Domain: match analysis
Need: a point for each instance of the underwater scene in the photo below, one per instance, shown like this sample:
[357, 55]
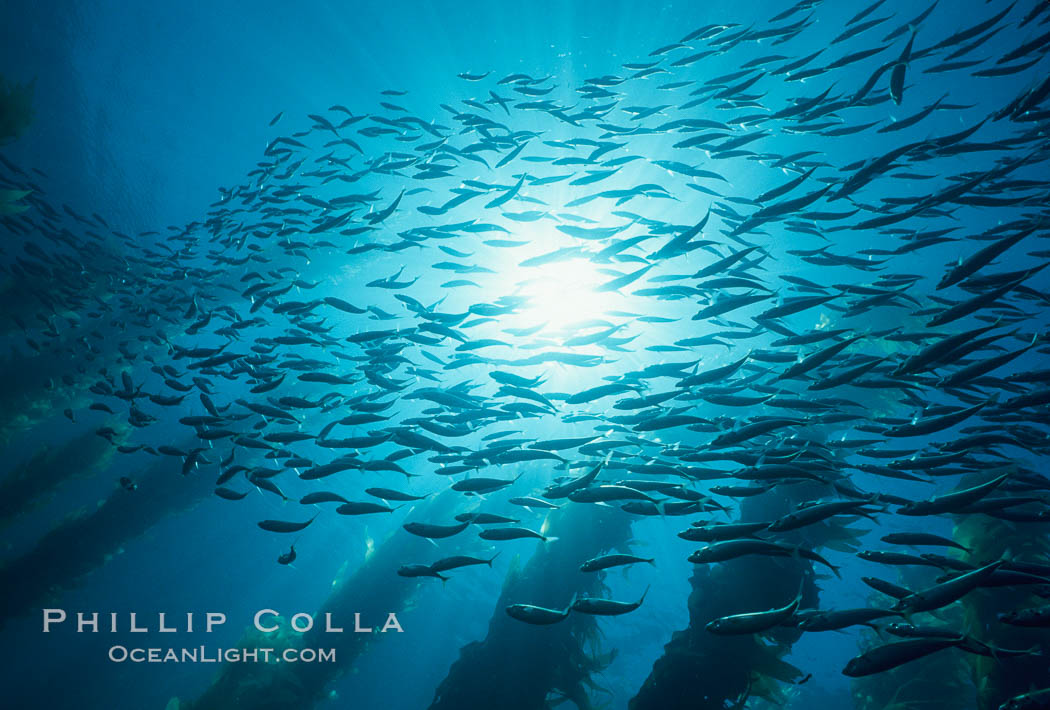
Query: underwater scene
[513, 356]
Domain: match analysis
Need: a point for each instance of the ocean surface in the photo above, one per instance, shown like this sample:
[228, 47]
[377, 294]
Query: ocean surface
[291, 292]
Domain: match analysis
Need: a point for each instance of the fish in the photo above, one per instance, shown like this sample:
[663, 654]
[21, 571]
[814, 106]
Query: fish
[719, 532]
[951, 502]
[418, 570]
[753, 622]
[919, 539]
[511, 533]
[606, 607]
[485, 518]
[480, 485]
[947, 592]
[607, 493]
[532, 502]
[457, 561]
[899, 69]
[1032, 617]
[362, 508]
[888, 588]
[287, 558]
[834, 620]
[431, 531]
[596, 564]
[888, 656]
[970, 265]
[816, 512]
[724, 550]
[537, 615]
[284, 526]
[229, 494]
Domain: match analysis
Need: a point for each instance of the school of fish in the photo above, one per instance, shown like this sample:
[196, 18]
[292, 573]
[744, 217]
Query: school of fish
[740, 343]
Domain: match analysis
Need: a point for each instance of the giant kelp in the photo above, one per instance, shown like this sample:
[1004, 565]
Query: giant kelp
[519, 666]
[702, 670]
[86, 538]
[28, 484]
[16, 108]
[942, 680]
[999, 679]
[372, 589]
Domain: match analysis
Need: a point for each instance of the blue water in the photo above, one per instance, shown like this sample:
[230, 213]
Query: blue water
[143, 112]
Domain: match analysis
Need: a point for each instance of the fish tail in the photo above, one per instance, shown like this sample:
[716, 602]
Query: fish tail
[572, 602]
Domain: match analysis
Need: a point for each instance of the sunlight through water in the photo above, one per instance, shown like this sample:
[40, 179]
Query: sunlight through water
[565, 292]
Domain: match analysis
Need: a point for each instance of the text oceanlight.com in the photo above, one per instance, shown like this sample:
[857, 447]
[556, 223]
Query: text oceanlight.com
[202, 654]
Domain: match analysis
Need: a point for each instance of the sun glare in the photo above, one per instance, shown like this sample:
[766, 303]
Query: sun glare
[565, 292]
